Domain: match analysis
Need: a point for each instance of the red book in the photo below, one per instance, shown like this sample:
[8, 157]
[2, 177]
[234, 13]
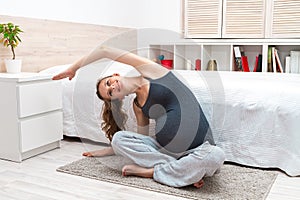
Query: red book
[245, 64]
[256, 64]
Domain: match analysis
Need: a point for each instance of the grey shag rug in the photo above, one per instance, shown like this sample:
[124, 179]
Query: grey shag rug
[233, 182]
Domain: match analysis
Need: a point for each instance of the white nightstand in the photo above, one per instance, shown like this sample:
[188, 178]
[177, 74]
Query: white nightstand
[30, 115]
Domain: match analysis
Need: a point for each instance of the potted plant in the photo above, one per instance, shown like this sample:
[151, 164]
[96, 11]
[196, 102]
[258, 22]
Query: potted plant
[9, 36]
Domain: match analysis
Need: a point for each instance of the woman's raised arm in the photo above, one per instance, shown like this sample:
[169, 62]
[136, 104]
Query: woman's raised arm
[145, 66]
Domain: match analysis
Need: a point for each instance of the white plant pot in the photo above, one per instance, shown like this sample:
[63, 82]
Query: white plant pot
[13, 66]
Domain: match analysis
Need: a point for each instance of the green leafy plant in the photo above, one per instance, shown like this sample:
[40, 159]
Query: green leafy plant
[10, 36]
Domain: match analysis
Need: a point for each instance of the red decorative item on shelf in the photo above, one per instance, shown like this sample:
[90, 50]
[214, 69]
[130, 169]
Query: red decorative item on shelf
[167, 64]
[198, 65]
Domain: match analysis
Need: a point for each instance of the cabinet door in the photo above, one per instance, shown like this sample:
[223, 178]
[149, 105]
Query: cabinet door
[243, 19]
[203, 18]
[285, 19]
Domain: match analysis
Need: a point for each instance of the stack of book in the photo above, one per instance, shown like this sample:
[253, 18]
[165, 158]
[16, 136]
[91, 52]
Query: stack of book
[274, 63]
[293, 62]
[241, 61]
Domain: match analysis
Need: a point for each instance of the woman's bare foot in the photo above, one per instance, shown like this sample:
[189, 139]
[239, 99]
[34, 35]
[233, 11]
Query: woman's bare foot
[89, 154]
[199, 184]
[108, 151]
[96, 153]
[135, 170]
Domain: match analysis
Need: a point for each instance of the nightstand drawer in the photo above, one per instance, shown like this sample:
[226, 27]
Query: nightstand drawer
[39, 98]
[39, 131]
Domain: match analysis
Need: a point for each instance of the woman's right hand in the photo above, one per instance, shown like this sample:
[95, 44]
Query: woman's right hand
[68, 73]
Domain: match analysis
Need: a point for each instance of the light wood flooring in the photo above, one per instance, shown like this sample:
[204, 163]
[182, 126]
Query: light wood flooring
[36, 179]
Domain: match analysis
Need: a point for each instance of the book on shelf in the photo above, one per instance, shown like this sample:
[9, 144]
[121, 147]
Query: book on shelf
[237, 59]
[287, 64]
[295, 61]
[275, 64]
[270, 68]
[241, 61]
[255, 64]
[258, 64]
[245, 64]
[278, 62]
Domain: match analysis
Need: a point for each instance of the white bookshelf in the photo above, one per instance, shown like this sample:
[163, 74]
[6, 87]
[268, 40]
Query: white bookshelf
[221, 50]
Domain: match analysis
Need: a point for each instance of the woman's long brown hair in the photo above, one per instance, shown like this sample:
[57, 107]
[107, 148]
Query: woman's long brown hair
[113, 116]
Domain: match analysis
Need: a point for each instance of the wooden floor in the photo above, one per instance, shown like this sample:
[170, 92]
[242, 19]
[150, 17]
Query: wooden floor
[36, 179]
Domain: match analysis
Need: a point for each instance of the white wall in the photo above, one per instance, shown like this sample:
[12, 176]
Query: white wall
[163, 14]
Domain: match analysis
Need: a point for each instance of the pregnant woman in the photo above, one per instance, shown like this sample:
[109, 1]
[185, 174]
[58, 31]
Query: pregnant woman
[182, 150]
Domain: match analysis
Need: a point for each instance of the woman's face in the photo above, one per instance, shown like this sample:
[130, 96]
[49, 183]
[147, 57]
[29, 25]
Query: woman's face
[110, 88]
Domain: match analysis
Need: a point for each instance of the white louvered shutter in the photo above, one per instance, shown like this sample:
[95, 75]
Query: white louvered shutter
[243, 19]
[285, 19]
[203, 18]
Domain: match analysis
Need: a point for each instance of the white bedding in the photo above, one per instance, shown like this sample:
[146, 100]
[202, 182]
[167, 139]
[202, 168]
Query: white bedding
[256, 120]
[255, 117]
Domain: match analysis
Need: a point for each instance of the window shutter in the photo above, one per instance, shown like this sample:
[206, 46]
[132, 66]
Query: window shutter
[243, 19]
[286, 19]
[203, 18]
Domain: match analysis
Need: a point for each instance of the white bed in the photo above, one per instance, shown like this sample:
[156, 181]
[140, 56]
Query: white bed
[255, 117]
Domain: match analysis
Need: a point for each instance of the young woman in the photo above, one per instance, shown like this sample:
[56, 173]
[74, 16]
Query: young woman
[182, 151]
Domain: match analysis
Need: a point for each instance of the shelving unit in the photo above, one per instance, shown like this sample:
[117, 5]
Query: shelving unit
[253, 25]
[186, 53]
[221, 50]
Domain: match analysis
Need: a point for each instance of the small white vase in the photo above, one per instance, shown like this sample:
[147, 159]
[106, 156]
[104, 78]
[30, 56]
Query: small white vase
[13, 66]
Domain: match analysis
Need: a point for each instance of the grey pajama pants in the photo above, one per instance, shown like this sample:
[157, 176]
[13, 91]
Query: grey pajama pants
[169, 169]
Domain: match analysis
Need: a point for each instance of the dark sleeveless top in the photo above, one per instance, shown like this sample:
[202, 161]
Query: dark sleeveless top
[180, 122]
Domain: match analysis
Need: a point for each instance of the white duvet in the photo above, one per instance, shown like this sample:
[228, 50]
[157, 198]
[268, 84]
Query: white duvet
[255, 117]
